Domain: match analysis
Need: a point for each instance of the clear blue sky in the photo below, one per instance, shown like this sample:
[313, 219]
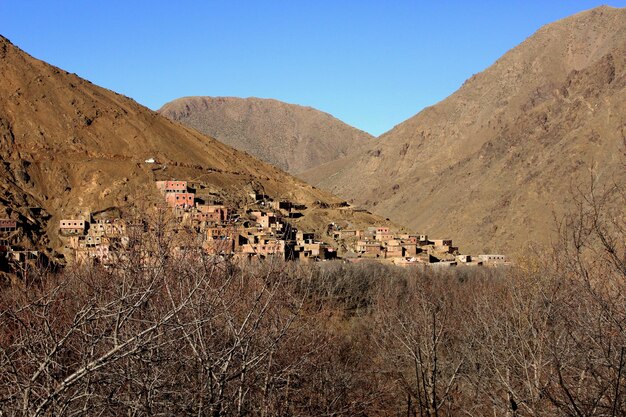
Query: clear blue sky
[372, 64]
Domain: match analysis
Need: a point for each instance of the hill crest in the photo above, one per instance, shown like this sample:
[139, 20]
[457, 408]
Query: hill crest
[292, 137]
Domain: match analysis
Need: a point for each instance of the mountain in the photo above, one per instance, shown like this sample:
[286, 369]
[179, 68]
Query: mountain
[69, 148]
[495, 162]
[291, 137]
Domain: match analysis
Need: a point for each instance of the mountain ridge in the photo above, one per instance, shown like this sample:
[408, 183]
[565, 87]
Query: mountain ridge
[290, 136]
[413, 172]
[70, 148]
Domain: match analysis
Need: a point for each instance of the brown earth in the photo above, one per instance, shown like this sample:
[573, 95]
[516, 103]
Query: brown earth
[291, 137]
[494, 163]
[69, 147]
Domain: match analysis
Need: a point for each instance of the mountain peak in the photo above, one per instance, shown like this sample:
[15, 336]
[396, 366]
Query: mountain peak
[292, 137]
[489, 163]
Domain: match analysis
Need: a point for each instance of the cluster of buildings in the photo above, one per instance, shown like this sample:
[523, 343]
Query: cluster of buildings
[404, 249]
[260, 230]
[219, 230]
[94, 239]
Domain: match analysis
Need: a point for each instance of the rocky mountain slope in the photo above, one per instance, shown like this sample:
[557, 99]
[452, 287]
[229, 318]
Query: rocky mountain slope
[291, 137]
[69, 147]
[495, 162]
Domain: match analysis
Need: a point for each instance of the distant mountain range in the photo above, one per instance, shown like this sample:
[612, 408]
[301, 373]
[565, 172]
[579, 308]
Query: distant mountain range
[495, 162]
[291, 137]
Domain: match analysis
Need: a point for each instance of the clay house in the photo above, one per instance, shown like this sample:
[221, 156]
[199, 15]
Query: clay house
[223, 239]
[408, 239]
[493, 259]
[425, 258]
[444, 246]
[277, 228]
[172, 186]
[442, 242]
[360, 245]
[114, 228]
[96, 229]
[410, 249]
[464, 258]
[91, 241]
[210, 217]
[265, 248]
[281, 205]
[180, 200]
[369, 233]
[98, 253]
[314, 251]
[302, 255]
[111, 228]
[346, 234]
[84, 241]
[369, 248]
[384, 236]
[264, 219]
[217, 212]
[304, 237]
[8, 225]
[395, 251]
[72, 227]
[373, 250]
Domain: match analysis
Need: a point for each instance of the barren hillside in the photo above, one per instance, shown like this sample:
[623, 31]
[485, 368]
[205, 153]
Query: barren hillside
[69, 147]
[495, 162]
[291, 137]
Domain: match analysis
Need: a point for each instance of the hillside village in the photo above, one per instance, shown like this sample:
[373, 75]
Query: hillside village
[260, 230]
